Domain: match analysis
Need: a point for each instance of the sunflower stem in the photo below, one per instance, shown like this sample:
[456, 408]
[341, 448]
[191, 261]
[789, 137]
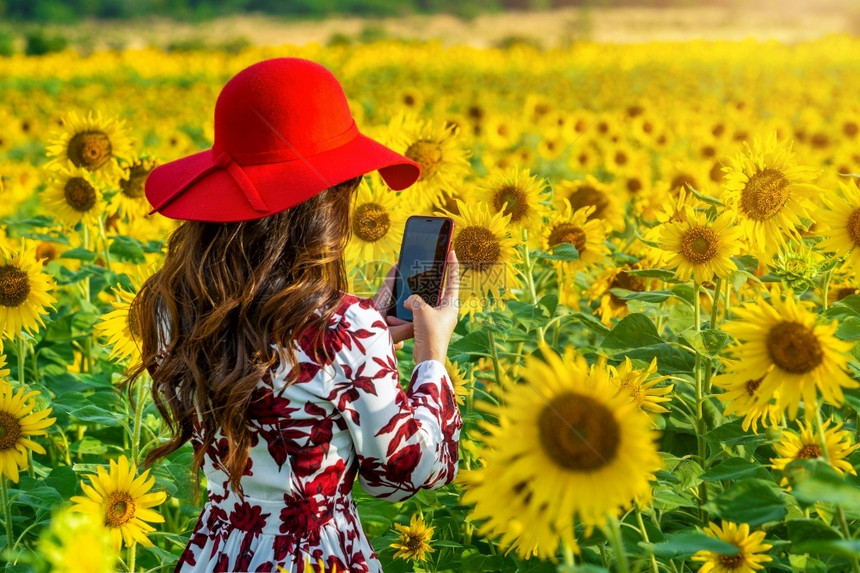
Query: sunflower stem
[21, 348]
[7, 511]
[103, 237]
[495, 357]
[568, 554]
[132, 551]
[728, 299]
[138, 417]
[614, 534]
[714, 314]
[645, 538]
[530, 279]
[825, 289]
[700, 418]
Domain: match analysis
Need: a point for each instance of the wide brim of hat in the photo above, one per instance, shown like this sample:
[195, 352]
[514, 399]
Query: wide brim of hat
[217, 197]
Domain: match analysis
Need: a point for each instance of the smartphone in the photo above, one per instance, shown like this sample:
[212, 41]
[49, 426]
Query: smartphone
[423, 262]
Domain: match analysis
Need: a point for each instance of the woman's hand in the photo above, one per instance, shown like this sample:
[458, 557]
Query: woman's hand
[400, 329]
[433, 327]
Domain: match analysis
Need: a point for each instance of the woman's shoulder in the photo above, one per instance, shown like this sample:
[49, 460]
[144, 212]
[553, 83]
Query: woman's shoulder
[358, 312]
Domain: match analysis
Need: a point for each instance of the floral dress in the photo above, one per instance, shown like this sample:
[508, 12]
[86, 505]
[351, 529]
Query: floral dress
[310, 440]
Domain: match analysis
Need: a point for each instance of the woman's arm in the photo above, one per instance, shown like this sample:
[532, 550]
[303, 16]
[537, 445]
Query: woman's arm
[404, 441]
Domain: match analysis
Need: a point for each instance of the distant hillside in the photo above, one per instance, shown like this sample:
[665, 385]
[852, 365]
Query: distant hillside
[68, 11]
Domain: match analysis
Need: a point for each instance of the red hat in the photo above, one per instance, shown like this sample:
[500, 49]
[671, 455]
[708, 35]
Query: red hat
[283, 133]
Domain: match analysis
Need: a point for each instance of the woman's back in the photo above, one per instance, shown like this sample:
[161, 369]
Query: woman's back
[310, 439]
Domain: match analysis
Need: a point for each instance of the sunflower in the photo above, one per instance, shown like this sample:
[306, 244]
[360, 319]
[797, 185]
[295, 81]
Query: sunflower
[643, 392]
[575, 227]
[4, 372]
[741, 393]
[24, 293]
[566, 431]
[784, 344]
[807, 446]
[123, 502]
[435, 148]
[520, 194]
[130, 200]
[122, 327]
[487, 255]
[591, 192]
[90, 142]
[445, 201]
[74, 196]
[769, 193]
[750, 555]
[458, 380]
[701, 248]
[414, 541]
[18, 423]
[609, 304]
[377, 222]
[839, 224]
[78, 543]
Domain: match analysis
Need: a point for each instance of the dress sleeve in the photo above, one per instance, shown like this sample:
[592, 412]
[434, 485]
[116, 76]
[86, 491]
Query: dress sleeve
[404, 441]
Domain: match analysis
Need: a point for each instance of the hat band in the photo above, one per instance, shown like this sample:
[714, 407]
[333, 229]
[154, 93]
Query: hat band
[290, 153]
[221, 160]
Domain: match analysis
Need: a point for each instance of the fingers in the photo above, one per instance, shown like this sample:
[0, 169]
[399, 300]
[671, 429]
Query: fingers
[382, 298]
[452, 287]
[401, 332]
[415, 303]
[394, 321]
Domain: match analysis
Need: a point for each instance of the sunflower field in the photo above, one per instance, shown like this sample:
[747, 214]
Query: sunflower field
[657, 360]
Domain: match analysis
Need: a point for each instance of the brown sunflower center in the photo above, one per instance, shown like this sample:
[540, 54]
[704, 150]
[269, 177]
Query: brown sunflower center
[845, 291]
[46, 250]
[14, 286]
[794, 347]
[809, 452]
[119, 508]
[627, 282]
[699, 244]
[681, 180]
[515, 199]
[133, 322]
[716, 172]
[370, 222]
[634, 185]
[587, 195]
[10, 430]
[80, 195]
[477, 247]
[428, 154]
[854, 226]
[89, 149]
[568, 233]
[732, 561]
[133, 186]
[764, 194]
[414, 541]
[578, 433]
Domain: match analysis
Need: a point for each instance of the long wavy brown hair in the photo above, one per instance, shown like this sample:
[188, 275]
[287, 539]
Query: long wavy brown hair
[225, 293]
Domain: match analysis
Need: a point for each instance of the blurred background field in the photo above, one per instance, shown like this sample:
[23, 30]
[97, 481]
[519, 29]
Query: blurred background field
[614, 127]
[38, 26]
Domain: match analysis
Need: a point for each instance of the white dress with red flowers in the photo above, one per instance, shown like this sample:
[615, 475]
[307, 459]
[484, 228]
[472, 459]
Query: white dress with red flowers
[310, 440]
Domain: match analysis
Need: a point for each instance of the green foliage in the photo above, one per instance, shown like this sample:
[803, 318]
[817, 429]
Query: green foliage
[39, 42]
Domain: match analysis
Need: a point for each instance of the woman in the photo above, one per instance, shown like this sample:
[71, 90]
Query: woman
[286, 385]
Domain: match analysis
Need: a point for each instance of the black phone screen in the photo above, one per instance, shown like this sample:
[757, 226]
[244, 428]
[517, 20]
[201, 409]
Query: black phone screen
[422, 262]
